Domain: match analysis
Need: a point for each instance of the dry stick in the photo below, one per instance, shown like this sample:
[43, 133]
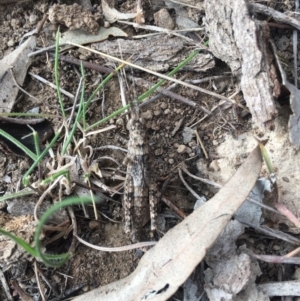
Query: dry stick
[292, 253]
[37, 205]
[64, 233]
[171, 94]
[24, 121]
[51, 85]
[185, 3]
[87, 65]
[48, 282]
[201, 144]
[36, 31]
[276, 15]
[189, 188]
[278, 25]
[158, 96]
[111, 147]
[160, 30]
[158, 74]
[110, 219]
[41, 24]
[42, 50]
[75, 102]
[206, 181]
[206, 79]
[16, 83]
[38, 280]
[216, 107]
[179, 212]
[24, 296]
[119, 249]
[5, 286]
[59, 228]
[139, 12]
[159, 33]
[274, 233]
[74, 224]
[108, 128]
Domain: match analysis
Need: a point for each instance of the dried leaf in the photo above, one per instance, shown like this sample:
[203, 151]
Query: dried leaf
[166, 266]
[112, 15]
[81, 37]
[20, 62]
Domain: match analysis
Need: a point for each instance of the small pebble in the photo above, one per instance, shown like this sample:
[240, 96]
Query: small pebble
[94, 225]
[33, 19]
[163, 105]
[15, 23]
[154, 127]
[120, 122]
[276, 247]
[181, 149]
[158, 152]
[192, 143]
[215, 142]
[171, 161]
[147, 115]
[214, 165]
[260, 246]
[285, 179]
[188, 150]
[157, 112]
[167, 111]
[11, 43]
[163, 19]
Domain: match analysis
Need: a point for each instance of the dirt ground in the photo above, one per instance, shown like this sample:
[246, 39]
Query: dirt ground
[166, 120]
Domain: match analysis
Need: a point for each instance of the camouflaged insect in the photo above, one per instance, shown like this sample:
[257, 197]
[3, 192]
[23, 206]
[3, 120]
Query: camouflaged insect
[140, 187]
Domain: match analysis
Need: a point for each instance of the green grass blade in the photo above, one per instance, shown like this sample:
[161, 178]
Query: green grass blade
[36, 140]
[57, 75]
[266, 157]
[146, 94]
[55, 176]
[74, 127]
[25, 178]
[103, 83]
[62, 258]
[26, 150]
[20, 242]
[84, 106]
[17, 194]
[162, 81]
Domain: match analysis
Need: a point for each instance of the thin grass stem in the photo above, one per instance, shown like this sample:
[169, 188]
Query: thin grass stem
[25, 178]
[57, 75]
